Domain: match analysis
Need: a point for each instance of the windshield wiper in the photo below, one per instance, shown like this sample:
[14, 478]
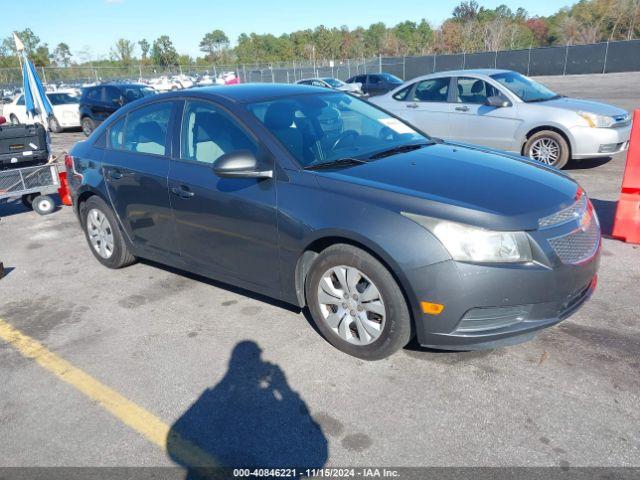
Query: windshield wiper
[340, 162]
[399, 149]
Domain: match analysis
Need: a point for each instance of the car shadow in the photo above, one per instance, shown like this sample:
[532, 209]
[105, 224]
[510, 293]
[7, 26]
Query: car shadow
[251, 419]
[606, 210]
[587, 163]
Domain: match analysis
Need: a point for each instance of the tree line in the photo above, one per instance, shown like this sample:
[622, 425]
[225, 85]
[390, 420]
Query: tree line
[470, 28]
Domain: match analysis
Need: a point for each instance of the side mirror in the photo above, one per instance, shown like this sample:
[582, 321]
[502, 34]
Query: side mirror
[239, 164]
[497, 101]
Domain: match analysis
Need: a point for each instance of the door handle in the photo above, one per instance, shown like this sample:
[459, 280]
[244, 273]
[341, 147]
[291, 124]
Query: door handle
[116, 174]
[182, 192]
[463, 108]
[412, 105]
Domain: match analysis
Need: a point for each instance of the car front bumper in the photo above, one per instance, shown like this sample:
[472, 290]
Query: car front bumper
[487, 306]
[589, 142]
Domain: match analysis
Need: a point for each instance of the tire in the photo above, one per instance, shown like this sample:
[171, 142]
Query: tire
[88, 125]
[534, 148]
[54, 125]
[393, 330]
[27, 200]
[14, 120]
[118, 254]
[43, 205]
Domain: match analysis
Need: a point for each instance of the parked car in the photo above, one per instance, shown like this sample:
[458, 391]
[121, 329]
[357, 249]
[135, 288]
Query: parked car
[65, 111]
[100, 101]
[164, 84]
[183, 80]
[376, 83]
[334, 83]
[382, 232]
[505, 110]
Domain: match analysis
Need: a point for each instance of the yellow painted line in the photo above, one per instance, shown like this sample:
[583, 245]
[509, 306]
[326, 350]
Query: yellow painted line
[132, 415]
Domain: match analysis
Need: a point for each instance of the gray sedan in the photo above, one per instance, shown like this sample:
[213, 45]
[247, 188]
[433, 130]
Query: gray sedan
[505, 110]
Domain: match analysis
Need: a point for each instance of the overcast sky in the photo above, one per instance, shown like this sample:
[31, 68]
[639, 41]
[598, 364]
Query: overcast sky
[99, 23]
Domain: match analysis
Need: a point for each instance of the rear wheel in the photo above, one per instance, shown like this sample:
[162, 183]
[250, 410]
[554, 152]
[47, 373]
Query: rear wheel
[88, 126]
[548, 147]
[103, 235]
[14, 120]
[54, 125]
[357, 304]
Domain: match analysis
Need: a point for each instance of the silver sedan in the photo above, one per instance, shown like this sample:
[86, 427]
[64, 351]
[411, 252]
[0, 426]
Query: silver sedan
[505, 110]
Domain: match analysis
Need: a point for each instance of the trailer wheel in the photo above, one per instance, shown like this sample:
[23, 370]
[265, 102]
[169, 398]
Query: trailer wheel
[43, 204]
[27, 199]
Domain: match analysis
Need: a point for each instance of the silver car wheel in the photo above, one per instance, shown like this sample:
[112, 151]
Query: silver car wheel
[545, 150]
[351, 305]
[100, 233]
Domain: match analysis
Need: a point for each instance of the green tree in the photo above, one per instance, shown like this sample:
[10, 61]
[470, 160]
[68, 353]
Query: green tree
[144, 48]
[122, 51]
[41, 57]
[214, 44]
[62, 55]
[163, 52]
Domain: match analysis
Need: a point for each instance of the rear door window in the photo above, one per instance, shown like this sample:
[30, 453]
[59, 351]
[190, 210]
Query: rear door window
[432, 90]
[402, 95]
[146, 129]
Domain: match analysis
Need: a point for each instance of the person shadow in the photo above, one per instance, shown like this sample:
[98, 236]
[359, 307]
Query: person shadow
[250, 419]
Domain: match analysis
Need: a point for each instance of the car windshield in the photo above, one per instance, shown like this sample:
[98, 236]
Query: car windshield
[525, 88]
[334, 82]
[61, 99]
[323, 128]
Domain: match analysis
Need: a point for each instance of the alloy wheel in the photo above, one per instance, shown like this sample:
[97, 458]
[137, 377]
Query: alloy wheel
[351, 305]
[100, 233]
[545, 150]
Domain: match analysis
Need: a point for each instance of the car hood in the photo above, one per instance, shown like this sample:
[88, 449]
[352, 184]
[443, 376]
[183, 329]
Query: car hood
[464, 184]
[576, 104]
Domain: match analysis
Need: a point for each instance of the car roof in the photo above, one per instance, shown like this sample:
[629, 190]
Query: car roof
[254, 92]
[471, 71]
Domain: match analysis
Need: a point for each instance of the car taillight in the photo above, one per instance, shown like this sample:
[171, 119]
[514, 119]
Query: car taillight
[69, 163]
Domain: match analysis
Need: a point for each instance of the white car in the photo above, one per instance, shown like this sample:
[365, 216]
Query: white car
[184, 80]
[333, 83]
[206, 80]
[66, 112]
[164, 84]
[505, 110]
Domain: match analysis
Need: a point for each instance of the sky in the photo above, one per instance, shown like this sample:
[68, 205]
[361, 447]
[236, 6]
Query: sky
[97, 24]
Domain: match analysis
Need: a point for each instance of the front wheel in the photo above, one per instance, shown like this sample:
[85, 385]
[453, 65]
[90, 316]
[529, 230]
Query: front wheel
[103, 235]
[357, 304]
[547, 147]
[88, 126]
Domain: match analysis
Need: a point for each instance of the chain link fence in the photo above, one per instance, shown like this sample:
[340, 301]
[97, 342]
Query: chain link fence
[608, 57]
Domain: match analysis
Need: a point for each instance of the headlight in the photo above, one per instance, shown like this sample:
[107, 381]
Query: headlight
[473, 244]
[597, 121]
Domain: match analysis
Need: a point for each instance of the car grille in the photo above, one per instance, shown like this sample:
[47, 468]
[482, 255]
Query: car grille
[563, 216]
[579, 245]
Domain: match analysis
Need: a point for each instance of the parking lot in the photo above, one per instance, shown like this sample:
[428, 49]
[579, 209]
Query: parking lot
[135, 354]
